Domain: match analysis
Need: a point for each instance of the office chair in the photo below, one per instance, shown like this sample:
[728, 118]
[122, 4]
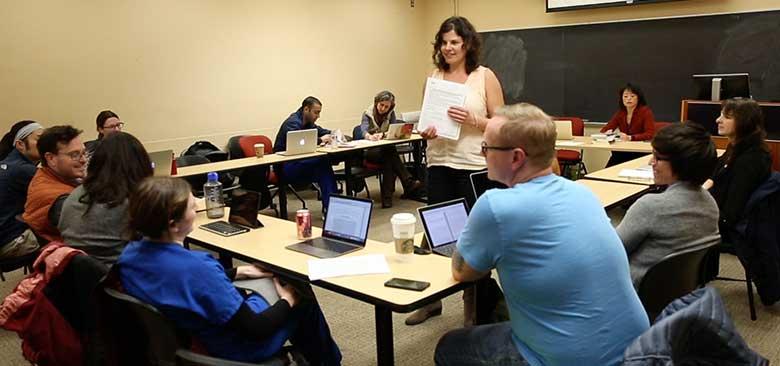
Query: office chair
[360, 170]
[572, 158]
[247, 145]
[675, 275]
[12, 264]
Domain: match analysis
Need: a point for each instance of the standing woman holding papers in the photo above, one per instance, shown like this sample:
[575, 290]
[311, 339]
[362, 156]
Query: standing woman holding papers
[450, 162]
[634, 120]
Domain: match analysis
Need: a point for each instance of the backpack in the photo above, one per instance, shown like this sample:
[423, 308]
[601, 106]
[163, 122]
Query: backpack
[207, 150]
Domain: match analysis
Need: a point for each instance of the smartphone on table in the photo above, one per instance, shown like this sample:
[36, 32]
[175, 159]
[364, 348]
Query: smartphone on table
[407, 284]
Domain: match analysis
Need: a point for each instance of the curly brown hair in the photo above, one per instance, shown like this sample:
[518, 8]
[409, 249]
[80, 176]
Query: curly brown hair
[471, 40]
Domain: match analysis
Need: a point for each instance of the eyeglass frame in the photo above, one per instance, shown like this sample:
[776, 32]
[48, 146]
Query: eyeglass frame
[484, 147]
[72, 155]
[117, 126]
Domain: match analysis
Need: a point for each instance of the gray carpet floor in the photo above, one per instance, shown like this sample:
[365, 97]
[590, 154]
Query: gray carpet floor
[352, 322]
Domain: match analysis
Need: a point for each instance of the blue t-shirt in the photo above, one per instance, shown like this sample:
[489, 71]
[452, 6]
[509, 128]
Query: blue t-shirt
[192, 289]
[563, 270]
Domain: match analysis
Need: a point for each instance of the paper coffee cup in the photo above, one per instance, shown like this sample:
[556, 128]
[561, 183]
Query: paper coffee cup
[259, 150]
[403, 232]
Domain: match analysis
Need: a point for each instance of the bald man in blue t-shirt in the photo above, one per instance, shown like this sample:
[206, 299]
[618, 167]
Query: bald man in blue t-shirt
[561, 265]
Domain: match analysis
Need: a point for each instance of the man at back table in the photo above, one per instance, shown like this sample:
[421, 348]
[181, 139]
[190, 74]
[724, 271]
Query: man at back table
[317, 169]
[561, 265]
[63, 165]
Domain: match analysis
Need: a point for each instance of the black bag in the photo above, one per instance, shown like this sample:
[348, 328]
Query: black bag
[207, 150]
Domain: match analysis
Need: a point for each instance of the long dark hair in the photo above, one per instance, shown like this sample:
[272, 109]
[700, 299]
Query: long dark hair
[634, 89]
[7, 143]
[748, 126]
[116, 167]
[471, 41]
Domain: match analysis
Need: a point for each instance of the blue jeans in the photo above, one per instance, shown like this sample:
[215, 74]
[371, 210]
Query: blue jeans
[481, 345]
[316, 170]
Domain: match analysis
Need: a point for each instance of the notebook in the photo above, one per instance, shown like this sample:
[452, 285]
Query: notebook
[162, 162]
[345, 229]
[243, 215]
[300, 142]
[443, 223]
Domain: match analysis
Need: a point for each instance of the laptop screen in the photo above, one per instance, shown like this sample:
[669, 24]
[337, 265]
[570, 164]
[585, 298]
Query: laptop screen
[347, 219]
[243, 208]
[444, 222]
[480, 183]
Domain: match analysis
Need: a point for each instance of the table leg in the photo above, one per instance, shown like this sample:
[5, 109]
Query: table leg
[282, 191]
[348, 176]
[417, 156]
[226, 260]
[384, 336]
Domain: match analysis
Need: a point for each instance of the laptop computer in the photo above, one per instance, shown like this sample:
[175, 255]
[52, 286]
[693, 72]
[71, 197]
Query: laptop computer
[345, 229]
[243, 215]
[162, 162]
[300, 142]
[563, 129]
[481, 183]
[400, 131]
[443, 223]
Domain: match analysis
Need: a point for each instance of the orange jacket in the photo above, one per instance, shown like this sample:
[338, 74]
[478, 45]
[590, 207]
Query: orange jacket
[44, 189]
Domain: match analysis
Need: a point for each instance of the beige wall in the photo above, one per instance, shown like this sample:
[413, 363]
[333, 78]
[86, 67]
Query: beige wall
[179, 70]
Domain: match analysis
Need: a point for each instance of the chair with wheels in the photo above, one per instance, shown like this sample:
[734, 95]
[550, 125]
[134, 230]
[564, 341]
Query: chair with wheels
[675, 275]
[12, 264]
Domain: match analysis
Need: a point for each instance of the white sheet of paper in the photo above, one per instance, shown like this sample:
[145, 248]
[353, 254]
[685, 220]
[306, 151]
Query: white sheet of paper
[641, 173]
[568, 143]
[439, 96]
[347, 266]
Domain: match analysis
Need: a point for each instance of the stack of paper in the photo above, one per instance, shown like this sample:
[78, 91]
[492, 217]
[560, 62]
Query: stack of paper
[645, 173]
[347, 266]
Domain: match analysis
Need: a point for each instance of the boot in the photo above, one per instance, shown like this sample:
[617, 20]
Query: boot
[422, 314]
[413, 189]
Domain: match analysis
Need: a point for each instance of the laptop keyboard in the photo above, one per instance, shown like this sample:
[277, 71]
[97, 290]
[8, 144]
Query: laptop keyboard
[224, 227]
[331, 245]
[446, 250]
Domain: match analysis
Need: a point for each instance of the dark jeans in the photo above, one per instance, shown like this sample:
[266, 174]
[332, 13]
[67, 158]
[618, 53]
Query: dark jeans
[312, 337]
[446, 184]
[316, 170]
[481, 345]
[392, 167]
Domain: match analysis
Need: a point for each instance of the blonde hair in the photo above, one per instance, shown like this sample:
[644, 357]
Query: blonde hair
[529, 128]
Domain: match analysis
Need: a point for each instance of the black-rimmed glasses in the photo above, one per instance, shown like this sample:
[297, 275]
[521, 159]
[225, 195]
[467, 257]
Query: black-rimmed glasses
[486, 147]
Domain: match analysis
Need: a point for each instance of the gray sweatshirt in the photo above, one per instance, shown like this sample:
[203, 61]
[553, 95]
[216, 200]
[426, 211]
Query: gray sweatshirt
[656, 225]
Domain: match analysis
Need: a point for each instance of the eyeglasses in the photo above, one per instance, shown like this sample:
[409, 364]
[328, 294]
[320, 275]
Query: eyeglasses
[76, 155]
[117, 126]
[485, 148]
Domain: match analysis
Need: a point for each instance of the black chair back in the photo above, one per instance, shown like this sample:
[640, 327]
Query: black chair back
[675, 275]
[162, 339]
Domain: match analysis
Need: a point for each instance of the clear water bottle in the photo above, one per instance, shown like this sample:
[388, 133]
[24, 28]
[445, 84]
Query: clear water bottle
[212, 191]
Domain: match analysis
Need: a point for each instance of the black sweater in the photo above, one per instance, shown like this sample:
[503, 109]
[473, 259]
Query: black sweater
[258, 325]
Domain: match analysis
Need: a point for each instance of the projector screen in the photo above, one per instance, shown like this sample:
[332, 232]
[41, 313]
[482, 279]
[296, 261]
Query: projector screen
[559, 5]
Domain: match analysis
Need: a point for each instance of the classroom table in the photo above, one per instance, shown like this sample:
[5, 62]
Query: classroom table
[611, 194]
[586, 142]
[355, 147]
[234, 164]
[612, 173]
[266, 246]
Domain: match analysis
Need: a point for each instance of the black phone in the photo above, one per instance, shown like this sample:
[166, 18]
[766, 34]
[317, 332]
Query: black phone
[407, 284]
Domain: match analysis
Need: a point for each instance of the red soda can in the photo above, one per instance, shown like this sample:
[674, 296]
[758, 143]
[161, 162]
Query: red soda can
[303, 222]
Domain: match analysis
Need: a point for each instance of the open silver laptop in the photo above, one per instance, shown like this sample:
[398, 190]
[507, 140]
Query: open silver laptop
[162, 161]
[345, 229]
[300, 142]
[563, 129]
[399, 131]
[443, 223]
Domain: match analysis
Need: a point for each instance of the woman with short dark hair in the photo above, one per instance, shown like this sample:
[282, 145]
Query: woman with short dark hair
[94, 216]
[634, 120]
[193, 290]
[684, 215]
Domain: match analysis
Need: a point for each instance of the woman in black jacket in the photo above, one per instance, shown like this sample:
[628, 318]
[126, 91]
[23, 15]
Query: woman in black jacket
[745, 165]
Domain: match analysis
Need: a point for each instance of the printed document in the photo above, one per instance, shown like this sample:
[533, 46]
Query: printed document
[439, 96]
[347, 266]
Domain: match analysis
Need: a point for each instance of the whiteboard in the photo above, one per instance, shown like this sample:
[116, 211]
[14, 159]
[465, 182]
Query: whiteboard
[558, 5]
